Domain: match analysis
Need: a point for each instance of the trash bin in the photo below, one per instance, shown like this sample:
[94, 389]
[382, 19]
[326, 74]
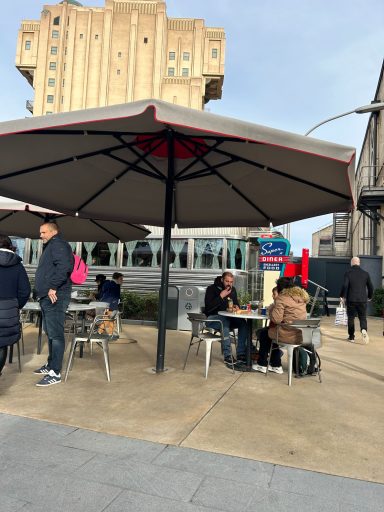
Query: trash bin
[172, 307]
[191, 300]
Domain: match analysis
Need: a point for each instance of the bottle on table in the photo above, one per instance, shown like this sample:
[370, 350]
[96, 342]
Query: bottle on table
[230, 305]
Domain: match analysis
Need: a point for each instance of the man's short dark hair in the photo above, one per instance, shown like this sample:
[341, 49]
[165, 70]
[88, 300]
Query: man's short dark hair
[100, 277]
[227, 273]
[117, 275]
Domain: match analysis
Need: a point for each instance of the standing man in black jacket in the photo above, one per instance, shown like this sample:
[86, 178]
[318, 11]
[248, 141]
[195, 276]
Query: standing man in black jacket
[356, 290]
[216, 299]
[53, 288]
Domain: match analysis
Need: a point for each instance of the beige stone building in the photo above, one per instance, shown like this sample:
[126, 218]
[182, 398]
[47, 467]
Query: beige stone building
[78, 57]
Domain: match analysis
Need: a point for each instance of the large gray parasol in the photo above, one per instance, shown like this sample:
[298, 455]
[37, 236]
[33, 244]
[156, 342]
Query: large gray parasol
[160, 164]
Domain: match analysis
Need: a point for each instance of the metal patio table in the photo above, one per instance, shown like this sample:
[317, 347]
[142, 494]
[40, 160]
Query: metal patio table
[248, 317]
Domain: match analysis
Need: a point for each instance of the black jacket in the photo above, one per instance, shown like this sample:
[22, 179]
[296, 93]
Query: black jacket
[357, 286]
[14, 293]
[213, 302]
[55, 267]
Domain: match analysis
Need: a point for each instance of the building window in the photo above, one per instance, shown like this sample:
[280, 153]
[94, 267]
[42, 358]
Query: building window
[48, 112]
[172, 55]
[65, 51]
[64, 66]
[50, 98]
[62, 99]
[96, 36]
[51, 82]
[81, 36]
[63, 82]
[171, 71]
[145, 40]
[118, 71]
[185, 72]
[99, 254]
[208, 253]
[52, 66]
[27, 45]
[55, 34]
[214, 53]
[185, 55]
[236, 253]
[56, 21]
[119, 54]
[53, 50]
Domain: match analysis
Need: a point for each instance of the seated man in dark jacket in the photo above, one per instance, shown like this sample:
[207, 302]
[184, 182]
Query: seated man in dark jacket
[216, 299]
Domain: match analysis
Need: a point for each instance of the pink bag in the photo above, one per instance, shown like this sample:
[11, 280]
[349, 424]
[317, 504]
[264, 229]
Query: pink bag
[80, 271]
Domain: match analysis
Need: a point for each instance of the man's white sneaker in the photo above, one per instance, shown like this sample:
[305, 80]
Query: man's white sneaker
[352, 340]
[365, 336]
[259, 368]
[276, 369]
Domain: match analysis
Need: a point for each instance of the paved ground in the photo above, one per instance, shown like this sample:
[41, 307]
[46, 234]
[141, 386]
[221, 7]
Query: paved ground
[231, 442]
[48, 466]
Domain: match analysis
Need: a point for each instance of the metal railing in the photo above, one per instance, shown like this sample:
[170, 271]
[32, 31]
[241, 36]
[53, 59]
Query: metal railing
[370, 180]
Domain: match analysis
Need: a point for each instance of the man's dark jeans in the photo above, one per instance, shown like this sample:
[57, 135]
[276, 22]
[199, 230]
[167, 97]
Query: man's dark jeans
[53, 321]
[356, 309]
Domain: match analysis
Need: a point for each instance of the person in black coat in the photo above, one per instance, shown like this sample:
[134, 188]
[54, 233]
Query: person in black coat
[356, 290]
[216, 299]
[14, 293]
[53, 288]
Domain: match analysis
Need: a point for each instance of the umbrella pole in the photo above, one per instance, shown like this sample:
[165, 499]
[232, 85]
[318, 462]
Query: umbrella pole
[165, 254]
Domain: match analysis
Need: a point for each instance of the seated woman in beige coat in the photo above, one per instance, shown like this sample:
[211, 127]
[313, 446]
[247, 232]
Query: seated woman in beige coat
[289, 305]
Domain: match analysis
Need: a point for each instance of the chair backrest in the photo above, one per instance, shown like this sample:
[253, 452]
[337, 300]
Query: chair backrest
[103, 326]
[307, 328]
[100, 307]
[308, 322]
[196, 316]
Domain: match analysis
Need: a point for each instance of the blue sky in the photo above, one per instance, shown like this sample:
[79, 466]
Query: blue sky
[289, 65]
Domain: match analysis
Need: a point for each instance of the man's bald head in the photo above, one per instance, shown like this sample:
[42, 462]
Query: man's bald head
[355, 261]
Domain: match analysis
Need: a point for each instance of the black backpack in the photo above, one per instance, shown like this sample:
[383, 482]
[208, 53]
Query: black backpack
[308, 360]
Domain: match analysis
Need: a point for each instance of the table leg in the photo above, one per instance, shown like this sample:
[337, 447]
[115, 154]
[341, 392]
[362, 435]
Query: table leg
[248, 366]
[249, 346]
[39, 336]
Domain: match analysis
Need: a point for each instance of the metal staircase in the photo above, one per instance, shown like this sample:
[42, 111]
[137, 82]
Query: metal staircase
[340, 226]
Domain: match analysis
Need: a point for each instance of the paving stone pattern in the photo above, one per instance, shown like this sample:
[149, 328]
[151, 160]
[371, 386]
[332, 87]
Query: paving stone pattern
[47, 466]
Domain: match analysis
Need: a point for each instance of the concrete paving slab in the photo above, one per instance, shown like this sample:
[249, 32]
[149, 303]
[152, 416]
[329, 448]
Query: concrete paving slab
[221, 466]
[10, 504]
[141, 477]
[114, 446]
[129, 501]
[45, 490]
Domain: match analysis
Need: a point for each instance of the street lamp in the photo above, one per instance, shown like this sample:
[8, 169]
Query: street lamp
[373, 107]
